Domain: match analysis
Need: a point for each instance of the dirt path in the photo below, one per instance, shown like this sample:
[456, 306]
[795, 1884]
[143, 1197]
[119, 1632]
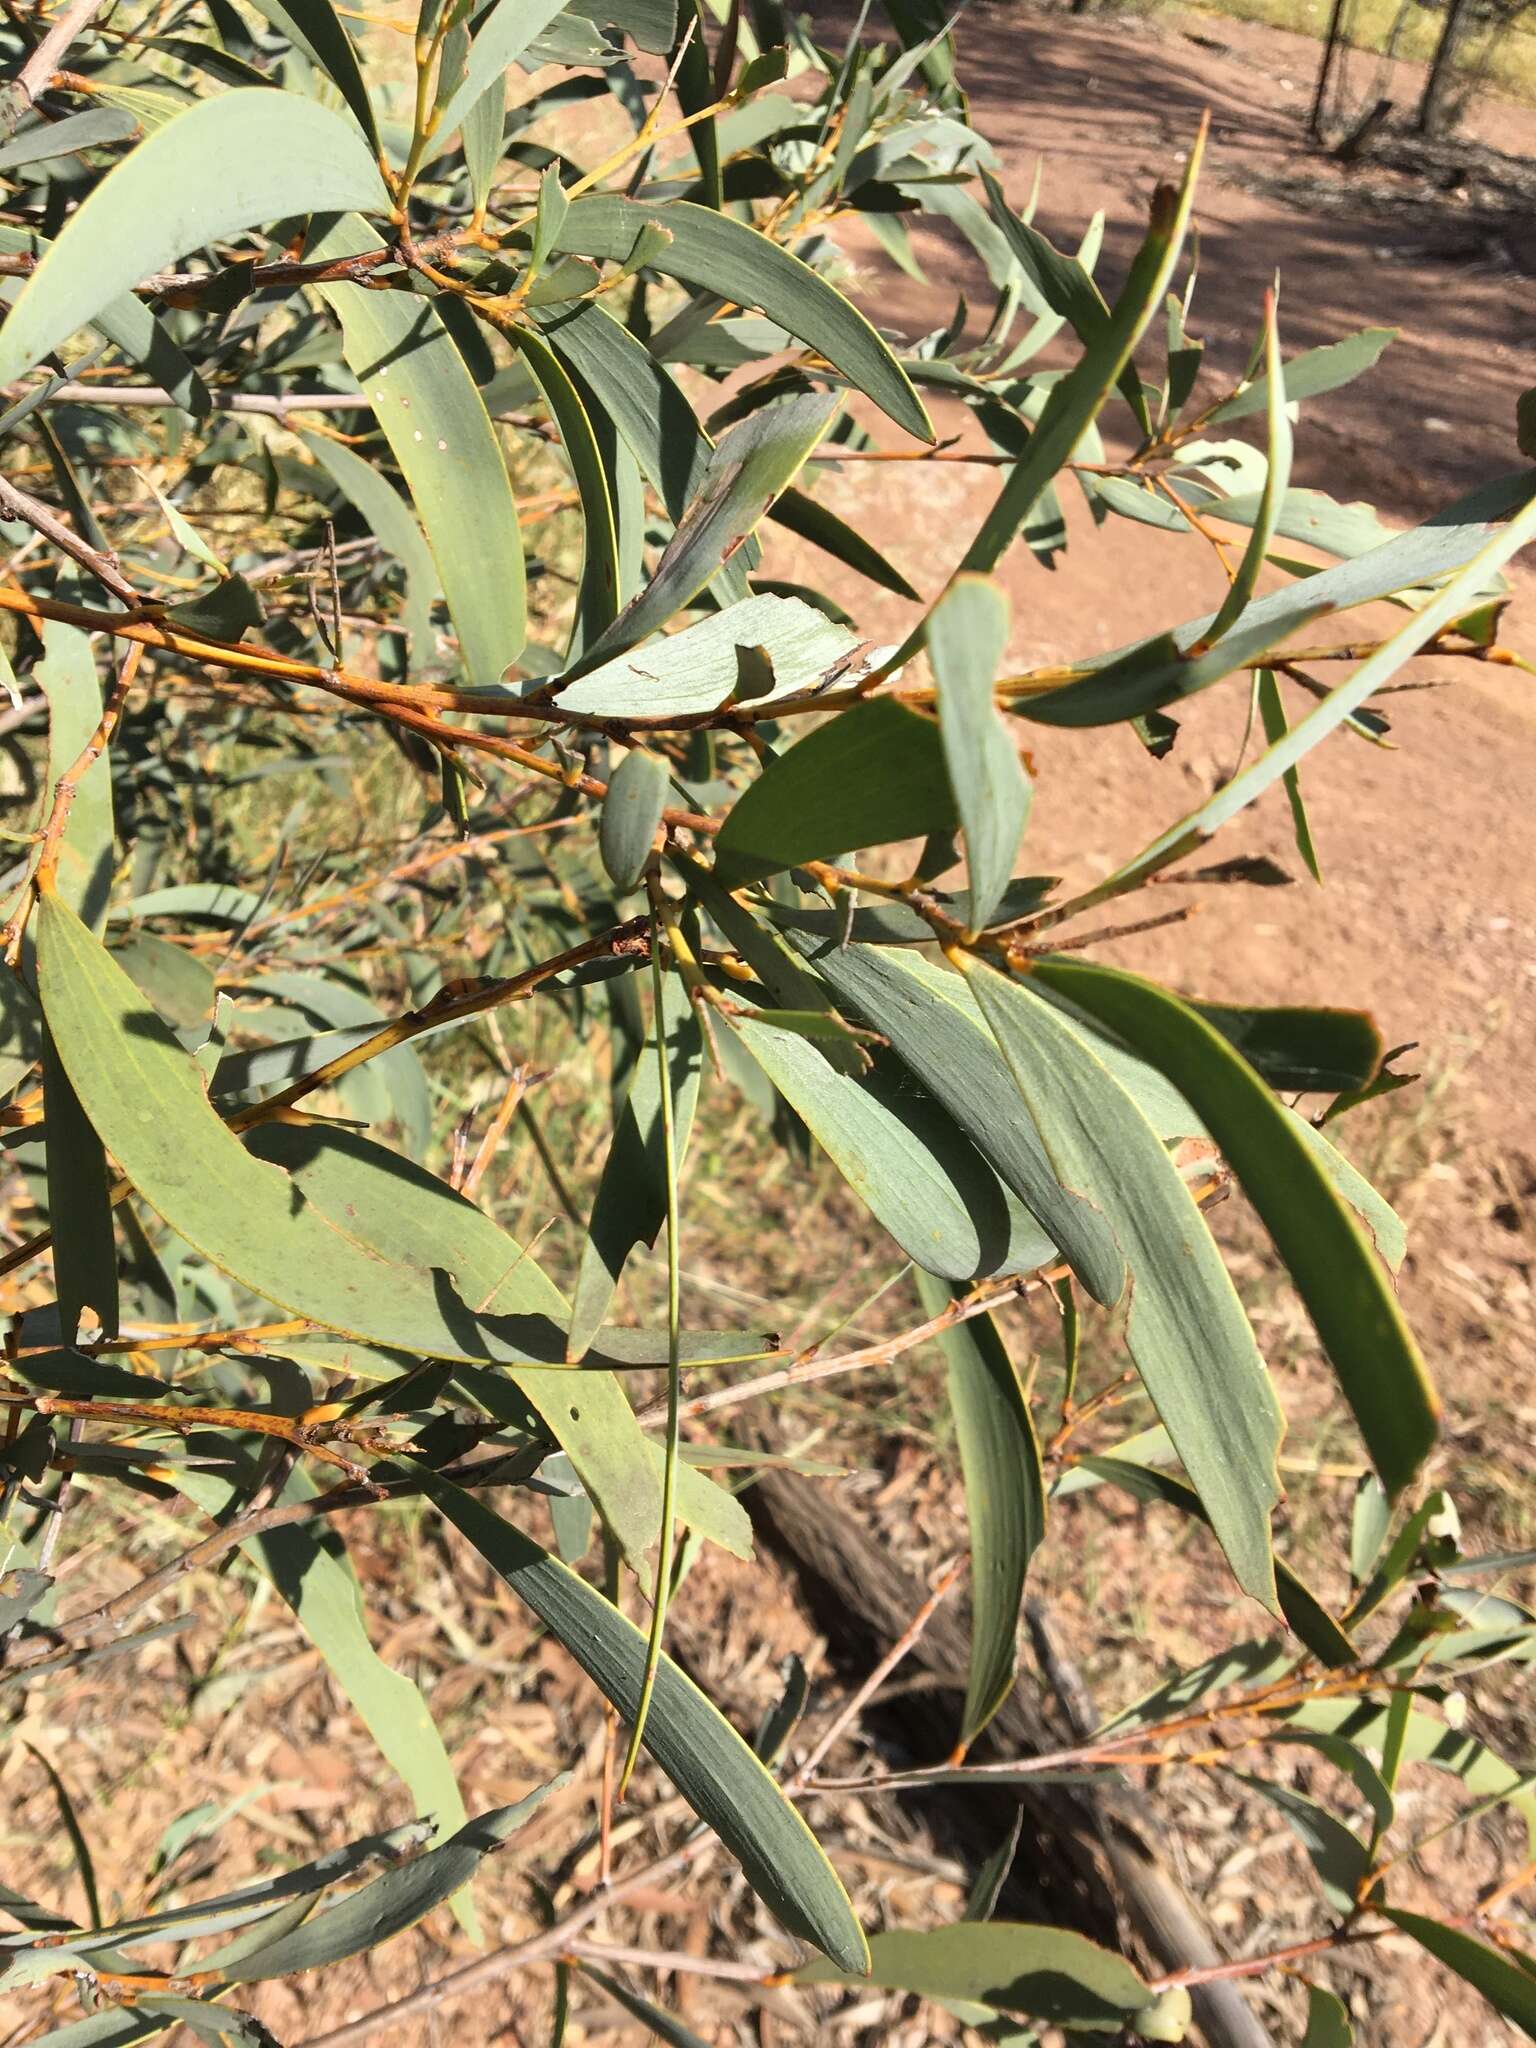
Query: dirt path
[1429, 913]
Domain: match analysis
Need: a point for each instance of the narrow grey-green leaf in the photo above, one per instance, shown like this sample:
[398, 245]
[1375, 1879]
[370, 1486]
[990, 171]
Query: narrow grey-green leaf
[906, 1161]
[1352, 1760]
[1166, 668]
[597, 599]
[79, 1202]
[652, 415]
[870, 775]
[1493, 549]
[1276, 726]
[1505, 1977]
[700, 668]
[1045, 1973]
[310, 1568]
[1338, 1857]
[1004, 1497]
[637, 796]
[1319, 370]
[630, 1205]
[695, 1745]
[505, 32]
[359, 1923]
[144, 1095]
[405, 1214]
[715, 252]
[549, 212]
[967, 633]
[746, 471]
[406, 361]
[49, 139]
[1186, 1328]
[233, 162]
[1276, 479]
[1425, 1740]
[1074, 403]
[1349, 1298]
[314, 27]
[481, 133]
[1369, 1520]
[114, 2028]
[931, 1018]
[664, 2026]
[1065, 286]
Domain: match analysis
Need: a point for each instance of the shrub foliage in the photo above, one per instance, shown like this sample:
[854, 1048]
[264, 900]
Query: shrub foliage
[313, 317]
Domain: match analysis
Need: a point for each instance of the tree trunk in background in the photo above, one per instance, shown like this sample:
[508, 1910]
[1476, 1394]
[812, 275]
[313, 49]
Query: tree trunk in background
[1325, 70]
[1432, 104]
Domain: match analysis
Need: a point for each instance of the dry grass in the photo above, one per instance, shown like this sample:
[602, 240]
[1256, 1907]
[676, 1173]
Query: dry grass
[1407, 29]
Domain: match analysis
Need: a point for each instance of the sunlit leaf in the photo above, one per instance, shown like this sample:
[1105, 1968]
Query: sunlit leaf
[435, 421]
[1045, 1973]
[746, 471]
[1309, 375]
[1505, 1977]
[225, 164]
[716, 253]
[630, 1205]
[701, 667]
[967, 633]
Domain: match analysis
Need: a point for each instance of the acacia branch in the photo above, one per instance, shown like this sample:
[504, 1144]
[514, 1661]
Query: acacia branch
[35, 76]
[18, 504]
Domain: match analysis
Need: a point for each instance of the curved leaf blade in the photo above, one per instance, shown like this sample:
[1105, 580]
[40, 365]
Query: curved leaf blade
[356, 1925]
[746, 471]
[630, 1205]
[407, 1215]
[1004, 1498]
[1350, 1301]
[1074, 403]
[393, 526]
[637, 796]
[597, 600]
[224, 165]
[967, 633]
[314, 27]
[1186, 1328]
[714, 252]
[873, 774]
[405, 359]
[931, 1018]
[311, 1570]
[1045, 1973]
[700, 667]
[906, 1161]
[1508, 1982]
[506, 31]
[695, 1745]
[144, 1097]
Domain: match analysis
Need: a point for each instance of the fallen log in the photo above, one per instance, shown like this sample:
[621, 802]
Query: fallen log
[1096, 1851]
